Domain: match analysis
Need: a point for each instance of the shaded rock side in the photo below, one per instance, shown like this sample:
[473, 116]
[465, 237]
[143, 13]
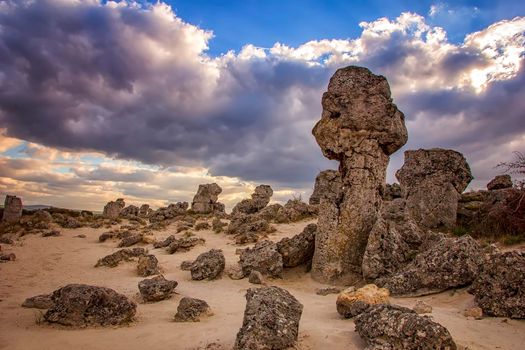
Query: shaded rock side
[112, 209]
[80, 305]
[263, 257]
[398, 328]
[156, 289]
[360, 127]
[271, 320]
[322, 185]
[260, 199]
[500, 182]
[298, 249]
[205, 200]
[115, 258]
[208, 265]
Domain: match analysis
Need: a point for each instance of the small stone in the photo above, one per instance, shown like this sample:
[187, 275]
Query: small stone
[147, 265]
[8, 257]
[42, 301]
[422, 308]
[51, 233]
[156, 289]
[235, 272]
[166, 242]
[114, 259]
[186, 265]
[80, 236]
[256, 277]
[191, 309]
[130, 240]
[326, 291]
[352, 302]
[202, 226]
[475, 312]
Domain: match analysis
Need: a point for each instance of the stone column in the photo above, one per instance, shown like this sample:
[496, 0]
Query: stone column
[360, 127]
[12, 209]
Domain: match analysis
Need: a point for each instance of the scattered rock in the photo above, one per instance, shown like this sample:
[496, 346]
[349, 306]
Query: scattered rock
[475, 312]
[129, 211]
[256, 277]
[51, 233]
[327, 291]
[500, 182]
[395, 327]
[235, 272]
[205, 201]
[172, 211]
[264, 258]
[260, 199]
[184, 244]
[130, 240]
[162, 244]
[186, 265]
[217, 225]
[144, 211]
[6, 240]
[112, 209]
[191, 309]
[147, 265]
[157, 288]
[80, 305]
[208, 265]
[114, 259]
[7, 257]
[360, 127]
[352, 302]
[202, 226]
[499, 288]
[42, 301]
[12, 209]
[71, 222]
[300, 248]
[422, 308]
[271, 320]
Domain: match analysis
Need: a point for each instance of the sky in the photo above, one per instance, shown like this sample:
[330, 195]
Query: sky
[147, 100]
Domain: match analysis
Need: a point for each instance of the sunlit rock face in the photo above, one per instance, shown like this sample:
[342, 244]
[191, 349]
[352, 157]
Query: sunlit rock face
[360, 127]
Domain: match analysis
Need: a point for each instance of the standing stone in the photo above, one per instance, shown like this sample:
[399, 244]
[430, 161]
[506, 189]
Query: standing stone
[322, 185]
[432, 181]
[12, 209]
[360, 127]
[205, 201]
[112, 209]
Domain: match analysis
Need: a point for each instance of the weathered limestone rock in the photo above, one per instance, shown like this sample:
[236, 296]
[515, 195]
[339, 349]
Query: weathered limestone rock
[12, 209]
[264, 258]
[391, 192]
[184, 244]
[431, 182]
[217, 225]
[256, 277]
[114, 259]
[300, 248]
[172, 211]
[191, 309]
[395, 327]
[144, 211]
[499, 289]
[260, 199]
[42, 301]
[166, 242]
[112, 209]
[360, 127]
[80, 305]
[449, 263]
[156, 288]
[322, 185]
[500, 182]
[271, 320]
[422, 308]
[148, 265]
[130, 240]
[208, 265]
[205, 201]
[475, 312]
[352, 302]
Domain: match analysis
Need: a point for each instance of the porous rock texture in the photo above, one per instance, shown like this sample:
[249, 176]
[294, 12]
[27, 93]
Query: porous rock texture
[148, 265]
[156, 288]
[322, 185]
[449, 263]
[80, 305]
[112, 209]
[184, 244]
[208, 265]
[432, 181]
[260, 199]
[42, 301]
[172, 211]
[499, 288]
[500, 182]
[115, 258]
[191, 309]
[352, 302]
[271, 320]
[392, 327]
[360, 127]
[12, 209]
[263, 257]
[205, 201]
[298, 249]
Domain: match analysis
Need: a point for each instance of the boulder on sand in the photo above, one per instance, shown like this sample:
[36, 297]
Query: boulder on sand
[352, 302]
[208, 265]
[191, 309]
[156, 288]
[264, 258]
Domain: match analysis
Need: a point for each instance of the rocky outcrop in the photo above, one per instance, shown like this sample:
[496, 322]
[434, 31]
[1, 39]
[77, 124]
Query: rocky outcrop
[248, 228]
[12, 209]
[205, 201]
[322, 185]
[263, 257]
[271, 320]
[208, 265]
[191, 309]
[156, 289]
[164, 243]
[172, 211]
[114, 259]
[300, 248]
[500, 182]
[432, 182]
[260, 199]
[148, 265]
[129, 211]
[144, 211]
[112, 209]
[80, 305]
[352, 302]
[449, 263]
[42, 301]
[130, 240]
[396, 327]
[499, 288]
[360, 127]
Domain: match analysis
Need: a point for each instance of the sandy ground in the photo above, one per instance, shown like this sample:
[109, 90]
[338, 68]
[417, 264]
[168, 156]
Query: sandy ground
[45, 264]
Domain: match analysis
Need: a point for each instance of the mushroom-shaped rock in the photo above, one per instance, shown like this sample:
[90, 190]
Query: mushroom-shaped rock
[208, 265]
[432, 181]
[395, 327]
[156, 288]
[205, 201]
[12, 209]
[80, 305]
[360, 127]
[271, 320]
[191, 309]
[352, 302]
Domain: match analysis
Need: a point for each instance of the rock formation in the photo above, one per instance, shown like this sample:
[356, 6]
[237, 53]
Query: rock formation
[298, 249]
[264, 258]
[208, 265]
[322, 185]
[352, 302]
[172, 211]
[12, 209]
[500, 182]
[260, 199]
[115, 258]
[147, 265]
[191, 309]
[112, 209]
[431, 182]
[360, 127]
[271, 320]
[205, 201]
[42, 301]
[157, 288]
[80, 305]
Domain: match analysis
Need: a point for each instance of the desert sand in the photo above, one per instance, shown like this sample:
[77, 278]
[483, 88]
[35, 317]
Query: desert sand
[45, 264]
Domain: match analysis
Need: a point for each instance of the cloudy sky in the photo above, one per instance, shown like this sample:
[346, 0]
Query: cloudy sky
[146, 100]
